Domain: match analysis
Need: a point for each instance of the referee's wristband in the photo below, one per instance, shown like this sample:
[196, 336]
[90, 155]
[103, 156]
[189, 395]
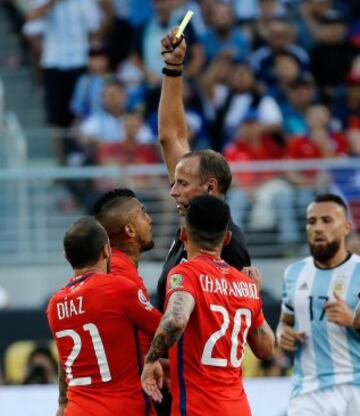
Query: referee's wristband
[171, 72]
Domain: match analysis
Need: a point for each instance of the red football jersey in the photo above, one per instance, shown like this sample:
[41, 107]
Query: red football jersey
[122, 266]
[95, 322]
[206, 375]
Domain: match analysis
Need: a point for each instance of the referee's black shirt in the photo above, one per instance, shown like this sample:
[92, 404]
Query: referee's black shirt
[235, 253]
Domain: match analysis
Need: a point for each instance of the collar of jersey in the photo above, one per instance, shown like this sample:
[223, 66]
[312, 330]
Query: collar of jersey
[76, 280]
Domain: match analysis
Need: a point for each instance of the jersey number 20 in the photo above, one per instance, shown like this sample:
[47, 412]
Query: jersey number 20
[99, 353]
[207, 358]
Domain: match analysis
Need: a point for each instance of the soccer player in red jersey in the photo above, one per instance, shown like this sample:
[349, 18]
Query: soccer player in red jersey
[212, 310]
[115, 211]
[94, 321]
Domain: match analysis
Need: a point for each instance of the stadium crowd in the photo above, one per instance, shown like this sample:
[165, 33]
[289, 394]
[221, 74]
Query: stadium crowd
[264, 80]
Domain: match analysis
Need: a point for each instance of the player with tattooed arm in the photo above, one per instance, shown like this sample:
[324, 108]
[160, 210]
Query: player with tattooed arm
[211, 311]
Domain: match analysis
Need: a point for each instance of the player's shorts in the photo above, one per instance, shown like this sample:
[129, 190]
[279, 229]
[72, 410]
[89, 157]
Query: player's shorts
[340, 400]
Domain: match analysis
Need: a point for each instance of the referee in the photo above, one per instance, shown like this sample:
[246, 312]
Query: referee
[190, 173]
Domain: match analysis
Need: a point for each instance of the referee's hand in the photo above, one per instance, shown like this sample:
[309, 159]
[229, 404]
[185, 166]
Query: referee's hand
[173, 50]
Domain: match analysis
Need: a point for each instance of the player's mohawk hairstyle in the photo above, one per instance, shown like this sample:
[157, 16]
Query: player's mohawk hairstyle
[116, 195]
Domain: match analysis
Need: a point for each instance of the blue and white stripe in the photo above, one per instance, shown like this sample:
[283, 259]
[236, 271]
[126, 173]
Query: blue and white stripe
[330, 354]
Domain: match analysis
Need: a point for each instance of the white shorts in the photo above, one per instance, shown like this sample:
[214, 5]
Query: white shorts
[340, 400]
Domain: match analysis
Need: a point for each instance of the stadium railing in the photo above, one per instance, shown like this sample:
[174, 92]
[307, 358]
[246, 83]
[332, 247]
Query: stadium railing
[38, 204]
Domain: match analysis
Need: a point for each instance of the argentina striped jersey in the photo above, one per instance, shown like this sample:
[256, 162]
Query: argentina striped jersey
[330, 354]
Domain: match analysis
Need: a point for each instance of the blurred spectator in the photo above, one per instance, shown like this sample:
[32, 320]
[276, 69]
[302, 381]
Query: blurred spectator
[87, 96]
[33, 31]
[148, 56]
[240, 96]
[106, 125]
[319, 142]
[268, 11]
[346, 108]
[223, 35]
[128, 15]
[133, 79]
[41, 366]
[353, 242]
[135, 147]
[4, 299]
[287, 70]
[280, 38]
[198, 135]
[330, 143]
[65, 50]
[300, 94]
[332, 56]
[263, 191]
[309, 24]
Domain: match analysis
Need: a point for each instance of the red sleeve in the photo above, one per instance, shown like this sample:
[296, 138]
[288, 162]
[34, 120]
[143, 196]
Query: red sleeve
[139, 310]
[180, 278]
[258, 319]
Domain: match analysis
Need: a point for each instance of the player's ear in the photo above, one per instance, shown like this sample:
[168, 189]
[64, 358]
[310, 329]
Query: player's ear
[183, 234]
[347, 228]
[227, 238]
[107, 251]
[129, 230]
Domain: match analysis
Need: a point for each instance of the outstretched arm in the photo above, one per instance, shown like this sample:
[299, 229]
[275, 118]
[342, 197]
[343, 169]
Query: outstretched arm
[173, 134]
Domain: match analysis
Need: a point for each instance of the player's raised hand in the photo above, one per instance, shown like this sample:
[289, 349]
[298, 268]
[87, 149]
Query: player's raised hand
[338, 311]
[255, 274]
[173, 49]
[288, 338]
[152, 380]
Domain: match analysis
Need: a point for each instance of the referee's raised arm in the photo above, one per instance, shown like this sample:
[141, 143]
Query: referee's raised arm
[173, 132]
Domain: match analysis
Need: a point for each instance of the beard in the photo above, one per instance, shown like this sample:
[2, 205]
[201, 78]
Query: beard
[324, 252]
[147, 245]
[108, 265]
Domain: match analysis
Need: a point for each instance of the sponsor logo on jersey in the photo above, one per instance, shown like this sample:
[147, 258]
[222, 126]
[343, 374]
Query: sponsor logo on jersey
[304, 286]
[144, 300]
[176, 280]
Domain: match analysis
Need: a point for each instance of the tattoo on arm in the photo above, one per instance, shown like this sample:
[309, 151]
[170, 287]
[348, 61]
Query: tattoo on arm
[62, 385]
[172, 324]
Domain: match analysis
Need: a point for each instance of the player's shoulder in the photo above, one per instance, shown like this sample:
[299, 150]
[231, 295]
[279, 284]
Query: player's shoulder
[355, 258]
[186, 267]
[295, 268]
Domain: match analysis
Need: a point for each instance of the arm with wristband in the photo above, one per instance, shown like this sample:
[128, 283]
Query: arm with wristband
[173, 133]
